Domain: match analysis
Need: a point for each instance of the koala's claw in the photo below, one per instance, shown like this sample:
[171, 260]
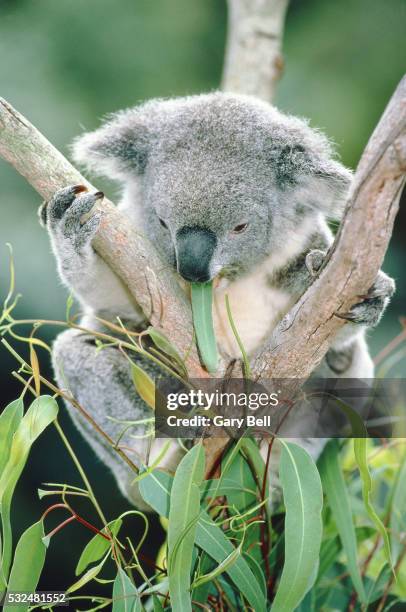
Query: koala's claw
[369, 311]
[314, 260]
[66, 214]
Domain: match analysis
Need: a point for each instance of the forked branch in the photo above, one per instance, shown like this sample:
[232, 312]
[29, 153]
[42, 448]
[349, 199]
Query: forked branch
[128, 253]
[299, 342]
[302, 338]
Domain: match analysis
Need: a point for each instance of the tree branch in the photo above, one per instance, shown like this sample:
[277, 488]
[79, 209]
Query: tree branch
[253, 64]
[303, 337]
[253, 60]
[128, 253]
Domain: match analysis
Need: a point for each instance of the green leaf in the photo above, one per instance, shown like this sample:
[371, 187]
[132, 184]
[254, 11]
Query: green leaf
[69, 303]
[155, 490]
[360, 451]
[211, 539]
[329, 551]
[339, 502]
[247, 367]
[257, 570]
[164, 344]
[398, 512]
[227, 487]
[183, 516]
[303, 497]
[254, 457]
[252, 453]
[97, 547]
[239, 471]
[40, 414]
[377, 586]
[201, 592]
[144, 385]
[202, 299]
[125, 595]
[34, 362]
[219, 569]
[87, 576]
[29, 559]
[158, 607]
[9, 420]
[157, 461]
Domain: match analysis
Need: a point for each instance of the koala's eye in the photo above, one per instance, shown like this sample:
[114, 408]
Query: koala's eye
[240, 228]
[162, 222]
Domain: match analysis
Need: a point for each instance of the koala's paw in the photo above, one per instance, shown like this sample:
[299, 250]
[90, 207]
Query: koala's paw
[370, 310]
[65, 215]
[314, 260]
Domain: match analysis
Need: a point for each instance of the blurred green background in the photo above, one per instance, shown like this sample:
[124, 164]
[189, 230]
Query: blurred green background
[65, 64]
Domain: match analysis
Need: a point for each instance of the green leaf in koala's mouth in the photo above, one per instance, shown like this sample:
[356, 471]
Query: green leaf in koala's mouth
[202, 300]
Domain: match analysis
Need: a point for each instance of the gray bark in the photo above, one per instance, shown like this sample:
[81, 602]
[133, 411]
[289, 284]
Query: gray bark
[253, 59]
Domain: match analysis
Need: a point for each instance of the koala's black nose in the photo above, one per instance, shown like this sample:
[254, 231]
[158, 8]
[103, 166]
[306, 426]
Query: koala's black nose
[195, 248]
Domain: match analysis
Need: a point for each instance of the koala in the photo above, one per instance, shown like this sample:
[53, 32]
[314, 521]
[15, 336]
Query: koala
[227, 188]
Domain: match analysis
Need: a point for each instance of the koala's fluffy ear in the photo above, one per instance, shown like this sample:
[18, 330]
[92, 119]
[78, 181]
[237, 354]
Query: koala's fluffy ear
[304, 164]
[118, 148]
[329, 182]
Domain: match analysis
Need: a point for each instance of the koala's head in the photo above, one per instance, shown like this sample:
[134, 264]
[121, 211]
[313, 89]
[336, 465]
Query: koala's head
[219, 182]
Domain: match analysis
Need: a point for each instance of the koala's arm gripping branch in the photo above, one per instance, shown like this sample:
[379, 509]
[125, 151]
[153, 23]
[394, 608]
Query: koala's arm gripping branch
[253, 59]
[304, 335]
[129, 254]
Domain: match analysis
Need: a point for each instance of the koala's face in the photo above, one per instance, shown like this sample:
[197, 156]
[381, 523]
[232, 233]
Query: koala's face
[218, 182]
[205, 218]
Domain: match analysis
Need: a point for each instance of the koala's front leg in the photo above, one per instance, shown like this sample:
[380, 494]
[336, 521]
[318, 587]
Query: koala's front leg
[366, 313]
[100, 380]
[369, 311]
[71, 231]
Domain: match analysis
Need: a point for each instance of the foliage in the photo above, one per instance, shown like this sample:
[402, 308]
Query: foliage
[202, 297]
[322, 543]
[211, 557]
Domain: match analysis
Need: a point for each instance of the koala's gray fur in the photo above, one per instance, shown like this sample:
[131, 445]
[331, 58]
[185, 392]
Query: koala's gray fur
[260, 184]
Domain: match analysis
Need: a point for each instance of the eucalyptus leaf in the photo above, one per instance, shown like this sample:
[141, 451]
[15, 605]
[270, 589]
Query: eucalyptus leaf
[144, 385]
[97, 547]
[251, 451]
[10, 418]
[29, 559]
[219, 569]
[39, 415]
[303, 497]
[257, 570]
[164, 344]
[35, 368]
[360, 452]
[183, 516]
[239, 471]
[205, 565]
[227, 487]
[398, 512]
[329, 550]
[155, 490]
[87, 576]
[376, 587]
[158, 607]
[337, 495]
[125, 595]
[202, 300]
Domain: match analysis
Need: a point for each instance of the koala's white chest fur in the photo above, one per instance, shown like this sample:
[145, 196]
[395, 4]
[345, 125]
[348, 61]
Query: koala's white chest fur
[255, 305]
